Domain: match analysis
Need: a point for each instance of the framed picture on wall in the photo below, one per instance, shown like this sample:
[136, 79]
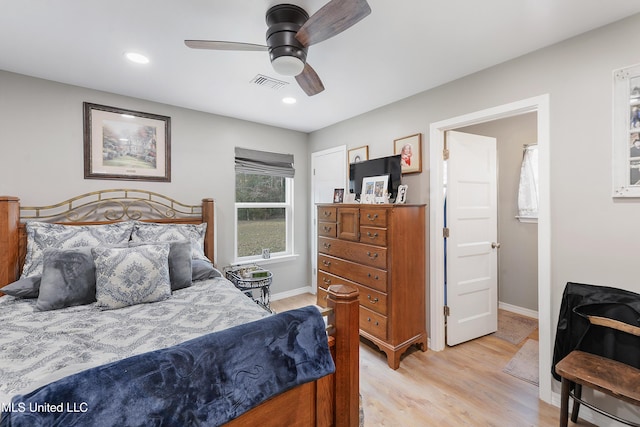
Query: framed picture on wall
[410, 149]
[626, 132]
[359, 154]
[126, 145]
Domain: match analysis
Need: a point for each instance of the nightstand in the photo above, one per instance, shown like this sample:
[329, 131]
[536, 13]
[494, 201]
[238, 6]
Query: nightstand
[250, 278]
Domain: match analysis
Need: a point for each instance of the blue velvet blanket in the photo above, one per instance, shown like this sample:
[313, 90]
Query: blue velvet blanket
[206, 381]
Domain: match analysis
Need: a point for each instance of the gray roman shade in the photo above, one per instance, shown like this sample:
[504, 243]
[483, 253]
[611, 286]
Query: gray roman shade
[264, 163]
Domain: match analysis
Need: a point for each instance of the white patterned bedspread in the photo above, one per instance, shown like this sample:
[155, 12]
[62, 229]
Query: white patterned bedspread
[37, 348]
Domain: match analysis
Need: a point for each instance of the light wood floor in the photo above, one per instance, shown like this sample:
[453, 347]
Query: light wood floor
[460, 386]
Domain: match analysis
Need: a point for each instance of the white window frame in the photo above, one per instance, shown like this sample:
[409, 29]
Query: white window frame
[288, 206]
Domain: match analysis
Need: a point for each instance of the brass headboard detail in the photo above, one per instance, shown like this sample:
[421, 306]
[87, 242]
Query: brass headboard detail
[112, 205]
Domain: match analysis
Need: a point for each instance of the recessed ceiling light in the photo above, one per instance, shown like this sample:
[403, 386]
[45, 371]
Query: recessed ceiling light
[289, 100]
[138, 58]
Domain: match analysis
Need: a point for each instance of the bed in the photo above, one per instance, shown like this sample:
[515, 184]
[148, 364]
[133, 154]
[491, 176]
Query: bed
[56, 346]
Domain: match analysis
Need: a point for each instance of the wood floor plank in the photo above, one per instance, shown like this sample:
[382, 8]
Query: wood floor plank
[460, 386]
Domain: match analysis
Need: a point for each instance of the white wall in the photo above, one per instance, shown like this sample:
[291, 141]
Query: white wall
[41, 158]
[593, 237]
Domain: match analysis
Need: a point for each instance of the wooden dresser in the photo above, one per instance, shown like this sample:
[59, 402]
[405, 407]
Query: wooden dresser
[379, 249]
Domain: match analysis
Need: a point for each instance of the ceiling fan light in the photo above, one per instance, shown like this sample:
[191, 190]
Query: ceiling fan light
[287, 65]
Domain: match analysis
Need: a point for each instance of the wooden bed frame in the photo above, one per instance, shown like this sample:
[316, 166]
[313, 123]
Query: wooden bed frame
[329, 401]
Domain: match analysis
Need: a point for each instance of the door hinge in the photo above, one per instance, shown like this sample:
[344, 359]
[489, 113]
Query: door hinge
[447, 311]
[445, 232]
[445, 154]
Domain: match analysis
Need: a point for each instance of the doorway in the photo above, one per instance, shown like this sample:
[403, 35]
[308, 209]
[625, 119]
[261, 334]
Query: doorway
[539, 105]
[328, 172]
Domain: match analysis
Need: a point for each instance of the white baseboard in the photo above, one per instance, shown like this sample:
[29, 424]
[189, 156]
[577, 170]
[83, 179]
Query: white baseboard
[292, 293]
[586, 414]
[518, 310]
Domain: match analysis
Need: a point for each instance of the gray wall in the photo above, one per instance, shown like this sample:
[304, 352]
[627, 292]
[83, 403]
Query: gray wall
[41, 158]
[518, 254]
[593, 237]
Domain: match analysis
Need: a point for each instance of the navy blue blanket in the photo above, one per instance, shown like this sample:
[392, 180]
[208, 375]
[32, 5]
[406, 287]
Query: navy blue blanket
[206, 381]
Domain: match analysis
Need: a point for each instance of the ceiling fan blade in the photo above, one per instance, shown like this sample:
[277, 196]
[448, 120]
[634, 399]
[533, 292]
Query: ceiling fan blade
[332, 19]
[309, 81]
[222, 45]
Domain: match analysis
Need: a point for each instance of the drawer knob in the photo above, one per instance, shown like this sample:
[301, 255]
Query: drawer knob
[327, 245]
[372, 300]
[326, 263]
[326, 213]
[372, 236]
[372, 256]
[372, 217]
[375, 277]
[327, 229]
[327, 281]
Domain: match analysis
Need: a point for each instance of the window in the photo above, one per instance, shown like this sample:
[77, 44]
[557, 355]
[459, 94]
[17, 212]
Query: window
[528, 189]
[264, 204]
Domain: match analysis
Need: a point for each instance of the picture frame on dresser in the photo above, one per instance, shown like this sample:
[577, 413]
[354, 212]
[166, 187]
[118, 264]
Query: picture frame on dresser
[375, 189]
[123, 144]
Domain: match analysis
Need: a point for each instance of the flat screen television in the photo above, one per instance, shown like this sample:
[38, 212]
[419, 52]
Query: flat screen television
[375, 167]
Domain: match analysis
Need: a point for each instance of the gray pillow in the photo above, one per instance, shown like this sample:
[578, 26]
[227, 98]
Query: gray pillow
[41, 235]
[202, 270]
[179, 263]
[23, 288]
[68, 279]
[129, 276]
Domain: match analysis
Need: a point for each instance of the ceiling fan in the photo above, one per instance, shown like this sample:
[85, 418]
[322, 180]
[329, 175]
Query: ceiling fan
[290, 33]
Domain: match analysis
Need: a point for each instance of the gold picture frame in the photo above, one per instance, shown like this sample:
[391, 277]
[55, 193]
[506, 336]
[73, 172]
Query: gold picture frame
[410, 148]
[359, 154]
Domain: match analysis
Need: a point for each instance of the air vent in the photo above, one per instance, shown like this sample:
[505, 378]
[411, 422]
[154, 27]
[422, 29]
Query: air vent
[268, 82]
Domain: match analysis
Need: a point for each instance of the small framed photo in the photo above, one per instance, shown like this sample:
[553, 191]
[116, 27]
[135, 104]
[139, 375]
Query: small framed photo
[126, 145]
[338, 195]
[410, 150]
[401, 198]
[359, 154]
[374, 189]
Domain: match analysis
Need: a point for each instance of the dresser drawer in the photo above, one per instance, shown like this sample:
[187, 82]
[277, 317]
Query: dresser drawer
[327, 229]
[368, 276]
[373, 323]
[370, 298]
[373, 217]
[373, 256]
[373, 236]
[326, 213]
[322, 296]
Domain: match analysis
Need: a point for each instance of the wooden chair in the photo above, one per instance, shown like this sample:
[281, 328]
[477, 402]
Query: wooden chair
[609, 376]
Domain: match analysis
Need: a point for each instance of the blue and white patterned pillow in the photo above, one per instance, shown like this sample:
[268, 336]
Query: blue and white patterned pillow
[129, 276]
[41, 235]
[150, 232]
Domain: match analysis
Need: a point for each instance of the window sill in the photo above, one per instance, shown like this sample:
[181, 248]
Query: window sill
[272, 260]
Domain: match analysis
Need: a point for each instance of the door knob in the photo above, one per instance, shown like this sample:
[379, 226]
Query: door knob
[495, 245]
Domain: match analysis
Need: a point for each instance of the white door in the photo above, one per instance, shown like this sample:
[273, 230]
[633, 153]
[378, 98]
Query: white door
[471, 205]
[328, 172]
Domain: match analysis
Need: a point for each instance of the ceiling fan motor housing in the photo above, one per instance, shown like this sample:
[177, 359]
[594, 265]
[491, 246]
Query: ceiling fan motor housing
[288, 55]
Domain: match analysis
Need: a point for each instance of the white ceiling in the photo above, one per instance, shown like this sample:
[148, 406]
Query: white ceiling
[402, 48]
